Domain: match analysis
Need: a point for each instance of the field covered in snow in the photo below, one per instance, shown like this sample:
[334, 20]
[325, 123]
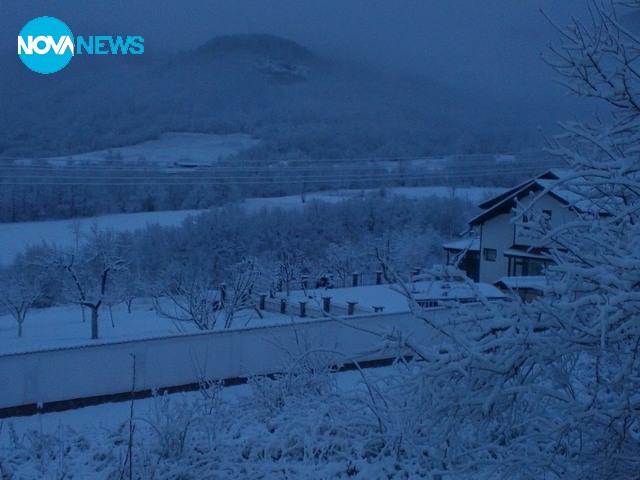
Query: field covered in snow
[175, 147]
[64, 327]
[15, 237]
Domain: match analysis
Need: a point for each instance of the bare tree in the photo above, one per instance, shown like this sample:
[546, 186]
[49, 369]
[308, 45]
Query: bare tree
[20, 288]
[288, 268]
[92, 272]
[186, 294]
[342, 260]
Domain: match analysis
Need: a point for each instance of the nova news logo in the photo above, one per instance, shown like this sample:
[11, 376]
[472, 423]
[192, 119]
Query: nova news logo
[46, 45]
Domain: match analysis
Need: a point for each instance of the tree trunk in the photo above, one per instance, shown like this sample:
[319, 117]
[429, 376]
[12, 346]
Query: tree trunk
[94, 322]
[20, 328]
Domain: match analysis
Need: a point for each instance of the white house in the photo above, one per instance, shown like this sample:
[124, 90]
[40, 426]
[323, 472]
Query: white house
[502, 249]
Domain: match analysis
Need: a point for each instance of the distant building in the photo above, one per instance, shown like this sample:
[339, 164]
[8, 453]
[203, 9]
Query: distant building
[502, 248]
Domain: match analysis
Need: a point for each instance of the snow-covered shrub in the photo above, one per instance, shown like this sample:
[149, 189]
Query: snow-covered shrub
[552, 389]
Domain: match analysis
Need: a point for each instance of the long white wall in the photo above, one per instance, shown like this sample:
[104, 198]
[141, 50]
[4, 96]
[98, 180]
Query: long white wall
[73, 373]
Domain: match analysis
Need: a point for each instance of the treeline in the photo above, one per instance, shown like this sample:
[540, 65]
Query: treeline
[40, 190]
[265, 251]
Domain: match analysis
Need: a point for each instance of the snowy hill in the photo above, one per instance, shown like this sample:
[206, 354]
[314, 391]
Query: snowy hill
[267, 87]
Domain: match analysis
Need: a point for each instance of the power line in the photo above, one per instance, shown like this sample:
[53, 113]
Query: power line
[439, 157]
[284, 179]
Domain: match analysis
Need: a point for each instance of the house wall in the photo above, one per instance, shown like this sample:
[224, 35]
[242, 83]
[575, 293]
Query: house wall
[496, 233]
[500, 233]
[560, 215]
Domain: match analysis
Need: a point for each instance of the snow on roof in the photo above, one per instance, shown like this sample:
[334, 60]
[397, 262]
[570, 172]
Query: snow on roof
[570, 195]
[561, 183]
[517, 283]
[472, 244]
[439, 290]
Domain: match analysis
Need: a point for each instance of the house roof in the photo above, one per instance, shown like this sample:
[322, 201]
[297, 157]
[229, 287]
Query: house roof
[548, 181]
[438, 290]
[469, 244]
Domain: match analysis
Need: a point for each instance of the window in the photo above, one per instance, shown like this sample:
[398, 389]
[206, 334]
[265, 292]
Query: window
[524, 267]
[547, 213]
[490, 254]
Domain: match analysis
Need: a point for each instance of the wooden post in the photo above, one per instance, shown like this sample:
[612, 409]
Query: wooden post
[303, 309]
[283, 306]
[263, 297]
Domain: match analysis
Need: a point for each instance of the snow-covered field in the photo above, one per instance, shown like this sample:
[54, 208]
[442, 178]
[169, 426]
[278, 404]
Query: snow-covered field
[192, 148]
[474, 195]
[64, 327]
[15, 237]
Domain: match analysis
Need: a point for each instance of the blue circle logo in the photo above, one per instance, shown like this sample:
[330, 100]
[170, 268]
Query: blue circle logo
[45, 45]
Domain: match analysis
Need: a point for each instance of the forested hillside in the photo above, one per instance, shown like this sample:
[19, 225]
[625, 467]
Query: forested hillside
[298, 103]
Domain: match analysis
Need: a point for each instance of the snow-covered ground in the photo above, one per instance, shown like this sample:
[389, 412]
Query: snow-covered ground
[264, 429]
[64, 326]
[172, 147]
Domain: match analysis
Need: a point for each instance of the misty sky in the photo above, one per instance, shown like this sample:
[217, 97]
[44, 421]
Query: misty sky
[488, 44]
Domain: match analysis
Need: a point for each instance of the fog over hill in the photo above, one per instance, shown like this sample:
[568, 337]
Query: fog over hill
[298, 103]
